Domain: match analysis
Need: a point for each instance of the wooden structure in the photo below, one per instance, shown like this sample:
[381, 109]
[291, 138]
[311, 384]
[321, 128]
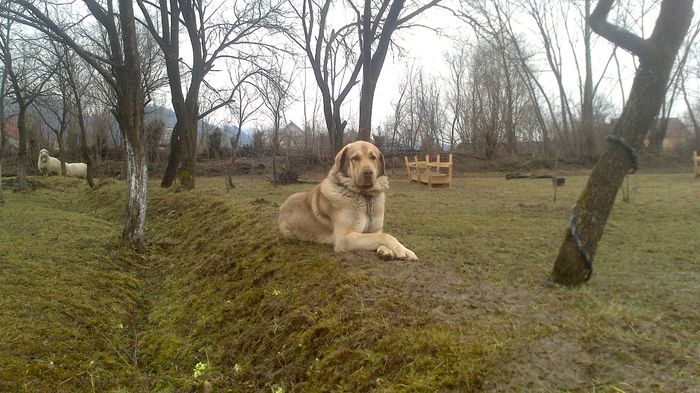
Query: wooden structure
[429, 172]
[696, 164]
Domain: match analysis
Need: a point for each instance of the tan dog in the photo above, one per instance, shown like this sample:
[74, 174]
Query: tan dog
[347, 208]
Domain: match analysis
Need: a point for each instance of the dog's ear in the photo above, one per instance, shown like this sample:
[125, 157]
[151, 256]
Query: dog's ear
[382, 166]
[341, 162]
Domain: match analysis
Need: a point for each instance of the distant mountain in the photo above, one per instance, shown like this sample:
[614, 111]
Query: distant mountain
[169, 119]
[160, 112]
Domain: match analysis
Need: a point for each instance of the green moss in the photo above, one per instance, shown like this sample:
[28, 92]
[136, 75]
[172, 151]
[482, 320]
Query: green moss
[67, 298]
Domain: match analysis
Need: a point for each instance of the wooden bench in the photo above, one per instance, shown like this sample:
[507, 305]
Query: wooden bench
[428, 172]
[696, 164]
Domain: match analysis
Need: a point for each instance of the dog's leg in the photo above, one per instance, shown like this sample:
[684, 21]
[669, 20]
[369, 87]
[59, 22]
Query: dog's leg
[372, 242]
[385, 252]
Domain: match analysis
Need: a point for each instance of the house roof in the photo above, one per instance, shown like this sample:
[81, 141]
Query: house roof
[674, 129]
[291, 128]
[11, 129]
[677, 129]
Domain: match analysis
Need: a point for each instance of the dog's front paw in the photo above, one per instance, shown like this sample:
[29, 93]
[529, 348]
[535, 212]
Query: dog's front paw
[385, 253]
[401, 252]
[405, 253]
[410, 255]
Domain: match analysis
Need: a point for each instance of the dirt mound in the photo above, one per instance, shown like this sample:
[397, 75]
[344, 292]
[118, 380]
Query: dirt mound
[260, 312]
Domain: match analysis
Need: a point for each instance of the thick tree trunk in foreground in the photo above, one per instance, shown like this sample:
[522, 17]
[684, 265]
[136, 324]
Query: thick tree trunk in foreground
[129, 115]
[136, 195]
[656, 57]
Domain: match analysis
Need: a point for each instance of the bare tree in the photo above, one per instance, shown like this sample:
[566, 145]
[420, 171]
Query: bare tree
[493, 23]
[692, 114]
[379, 21]
[394, 122]
[656, 58]
[153, 131]
[79, 82]
[275, 94]
[310, 120]
[55, 108]
[245, 106]
[120, 67]
[456, 79]
[498, 98]
[331, 55]
[412, 122]
[3, 90]
[432, 112]
[27, 79]
[657, 133]
[59, 110]
[212, 37]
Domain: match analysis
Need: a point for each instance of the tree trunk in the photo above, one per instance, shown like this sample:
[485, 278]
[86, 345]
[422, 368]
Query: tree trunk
[656, 56]
[136, 195]
[657, 134]
[173, 159]
[589, 149]
[366, 103]
[3, 136]
[234, 143]
[84, 145]
[2, 151]
[188, 152]
[275, 143]
[372, 63]
[2, 196]
[61, 153]
[22, 149]
[693, 119]
[129, 114]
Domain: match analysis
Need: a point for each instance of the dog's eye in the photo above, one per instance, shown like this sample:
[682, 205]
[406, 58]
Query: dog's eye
[372, 157]
[355, 158]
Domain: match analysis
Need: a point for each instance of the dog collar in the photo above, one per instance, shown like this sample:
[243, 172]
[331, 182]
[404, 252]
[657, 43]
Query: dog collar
[369, 201]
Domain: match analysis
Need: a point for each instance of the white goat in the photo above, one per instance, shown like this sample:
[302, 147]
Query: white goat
[77, 169]
[48, 165]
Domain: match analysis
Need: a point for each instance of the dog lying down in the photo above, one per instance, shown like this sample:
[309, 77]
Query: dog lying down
[347, 208]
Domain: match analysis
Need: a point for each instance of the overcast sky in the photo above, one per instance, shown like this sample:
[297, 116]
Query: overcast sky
[427, 48]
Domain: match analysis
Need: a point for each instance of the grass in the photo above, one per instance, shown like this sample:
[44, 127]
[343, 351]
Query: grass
[217, 286]
[67, 297]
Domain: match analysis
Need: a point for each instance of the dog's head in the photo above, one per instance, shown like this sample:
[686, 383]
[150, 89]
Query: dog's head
[44, 155]
[363, 164]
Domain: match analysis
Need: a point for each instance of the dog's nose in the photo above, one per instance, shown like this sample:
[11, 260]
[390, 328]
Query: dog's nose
[367, 172]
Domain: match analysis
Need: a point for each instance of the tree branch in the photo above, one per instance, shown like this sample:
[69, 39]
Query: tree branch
[618, 36]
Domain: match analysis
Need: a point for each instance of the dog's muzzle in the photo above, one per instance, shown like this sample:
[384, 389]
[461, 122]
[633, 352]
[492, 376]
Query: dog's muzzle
[367, 178]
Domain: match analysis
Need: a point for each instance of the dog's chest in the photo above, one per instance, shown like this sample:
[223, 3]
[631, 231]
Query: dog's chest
[369, 214]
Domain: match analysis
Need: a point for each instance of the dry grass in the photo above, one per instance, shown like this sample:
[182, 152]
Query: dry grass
[217, 286]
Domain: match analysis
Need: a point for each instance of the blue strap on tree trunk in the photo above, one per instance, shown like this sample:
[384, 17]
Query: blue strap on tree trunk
[632, 153]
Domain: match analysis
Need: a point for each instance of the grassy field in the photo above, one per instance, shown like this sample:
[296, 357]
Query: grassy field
[218, 297]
